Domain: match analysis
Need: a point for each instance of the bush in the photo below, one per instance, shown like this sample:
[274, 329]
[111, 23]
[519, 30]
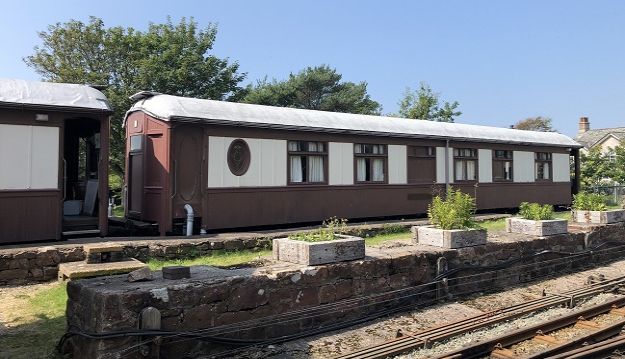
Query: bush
[454, 212]
[585, 201]
[327, 232]
[535, 211]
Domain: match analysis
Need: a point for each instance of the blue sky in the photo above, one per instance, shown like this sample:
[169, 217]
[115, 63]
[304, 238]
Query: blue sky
[502, 60]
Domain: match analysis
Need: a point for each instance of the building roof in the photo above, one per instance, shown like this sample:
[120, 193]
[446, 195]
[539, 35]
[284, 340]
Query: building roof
[183, 109]
[51, 94]
[591, 137]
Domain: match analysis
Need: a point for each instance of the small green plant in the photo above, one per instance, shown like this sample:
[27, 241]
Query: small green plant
[585, 201]
[454, 212]
[535, 211]
[327, 232]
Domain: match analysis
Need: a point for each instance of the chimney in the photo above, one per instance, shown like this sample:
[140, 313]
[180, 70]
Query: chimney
[584, 125]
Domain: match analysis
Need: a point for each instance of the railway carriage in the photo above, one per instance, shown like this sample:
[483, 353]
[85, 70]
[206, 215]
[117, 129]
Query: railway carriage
[231, 165]
[53, 160]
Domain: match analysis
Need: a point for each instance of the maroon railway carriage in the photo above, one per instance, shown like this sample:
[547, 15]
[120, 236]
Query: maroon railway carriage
[231, 165]
[53, 160]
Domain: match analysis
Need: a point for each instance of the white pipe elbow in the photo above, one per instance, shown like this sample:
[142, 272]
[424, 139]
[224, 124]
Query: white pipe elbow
[190, 217]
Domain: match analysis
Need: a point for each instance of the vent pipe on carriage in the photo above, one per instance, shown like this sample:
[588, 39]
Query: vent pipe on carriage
[189, 210]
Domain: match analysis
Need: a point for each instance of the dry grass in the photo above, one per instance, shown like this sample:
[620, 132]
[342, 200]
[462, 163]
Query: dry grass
[32, 319]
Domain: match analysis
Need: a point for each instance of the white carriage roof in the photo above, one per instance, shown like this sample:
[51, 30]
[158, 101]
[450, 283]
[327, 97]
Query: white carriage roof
[52, 94]
[174, 108]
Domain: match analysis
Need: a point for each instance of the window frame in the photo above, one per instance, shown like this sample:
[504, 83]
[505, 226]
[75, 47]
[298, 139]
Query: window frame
[430, 154]
[549, 161]
[305, 154]
[499, 160]
[461, 157]
[383, 156]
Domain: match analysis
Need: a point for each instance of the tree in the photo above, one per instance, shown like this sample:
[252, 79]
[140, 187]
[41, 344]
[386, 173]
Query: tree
[594, 167]
[423, 104]
[618, 166]
[539, 123]
[314, 88]
[167, 58]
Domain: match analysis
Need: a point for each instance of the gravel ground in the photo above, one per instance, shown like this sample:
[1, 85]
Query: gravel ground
[341, 342]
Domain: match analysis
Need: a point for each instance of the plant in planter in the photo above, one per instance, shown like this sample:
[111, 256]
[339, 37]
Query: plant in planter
[591, 208]
[536, 219]
[328, 244]
[452, 224]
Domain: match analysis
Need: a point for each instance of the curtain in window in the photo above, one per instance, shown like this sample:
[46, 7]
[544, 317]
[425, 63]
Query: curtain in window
[458, 173]
[507, 174]
[470, 170]
[296, 169]
[361, 169]
[546, 170]
[315, 169]
[378, 170]
[293, 145]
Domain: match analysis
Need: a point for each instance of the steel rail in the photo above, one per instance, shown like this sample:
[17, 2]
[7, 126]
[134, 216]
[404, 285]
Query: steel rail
[425, 337]
[486, 347]
[599, 350]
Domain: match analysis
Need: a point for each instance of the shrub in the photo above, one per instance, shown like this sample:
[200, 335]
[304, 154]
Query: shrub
[454, 212]
[327, 232]
[535, 211]
[585, 201]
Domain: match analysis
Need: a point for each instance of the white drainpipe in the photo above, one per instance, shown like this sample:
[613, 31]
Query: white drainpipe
[189, 209]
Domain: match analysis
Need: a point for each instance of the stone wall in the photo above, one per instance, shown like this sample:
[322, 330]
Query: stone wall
[36, 262]
[217, 299]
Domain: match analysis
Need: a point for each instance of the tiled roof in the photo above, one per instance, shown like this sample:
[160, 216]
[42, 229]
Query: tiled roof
[591, 137]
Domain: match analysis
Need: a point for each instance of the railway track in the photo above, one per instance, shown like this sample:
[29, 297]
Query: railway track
[611, 348]
[425, 338]
[544, 335]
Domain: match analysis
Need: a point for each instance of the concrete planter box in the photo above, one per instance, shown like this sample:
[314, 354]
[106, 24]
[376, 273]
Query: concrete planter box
[449, 238]
[536, 228]
[599, 217]
[346, 248]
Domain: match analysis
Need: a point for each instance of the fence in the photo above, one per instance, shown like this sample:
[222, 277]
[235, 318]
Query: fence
[614, 194]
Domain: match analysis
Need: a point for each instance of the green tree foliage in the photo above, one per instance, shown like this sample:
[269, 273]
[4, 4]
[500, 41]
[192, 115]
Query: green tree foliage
[168, 58]
[424, 104]
[539, 123]
[618, 166]
[314, 88]
[594, 167]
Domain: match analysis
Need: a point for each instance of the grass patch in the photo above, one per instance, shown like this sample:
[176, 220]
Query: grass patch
[493, 224]
[562, 215]
[219, 258]
[381, 238]
[36, 321]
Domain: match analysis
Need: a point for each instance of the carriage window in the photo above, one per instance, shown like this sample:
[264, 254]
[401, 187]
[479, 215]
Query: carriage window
[502, 165]
[370, 162]
[465, 164]
[542, 166]
[136, 142]
[307, 162]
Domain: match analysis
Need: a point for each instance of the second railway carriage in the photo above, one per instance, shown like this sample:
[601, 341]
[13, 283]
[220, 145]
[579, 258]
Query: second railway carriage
[233, 165]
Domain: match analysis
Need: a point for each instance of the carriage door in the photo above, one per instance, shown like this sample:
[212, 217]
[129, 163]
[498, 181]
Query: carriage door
[135, 177]
[187, 182]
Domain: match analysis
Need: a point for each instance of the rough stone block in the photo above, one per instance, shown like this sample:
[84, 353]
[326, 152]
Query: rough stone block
[599, 217]
[74, 270]
[346, 248]
[536, 228]
[140, 275]
[450, 238]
